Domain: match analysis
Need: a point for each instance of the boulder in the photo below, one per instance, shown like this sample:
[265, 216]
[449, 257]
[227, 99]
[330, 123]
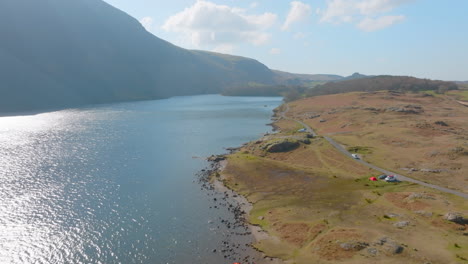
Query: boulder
[282, 146]
[389, 246]
[393, 248]
[454, 217]
[216, 158]
[423, 213]
[441, 123]
[354, 245]
[401, 224]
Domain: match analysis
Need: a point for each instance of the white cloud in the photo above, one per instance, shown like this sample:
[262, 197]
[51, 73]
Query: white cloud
[372, 7]
[209, 25]
[147, 23]
[298, 12]
[338, 11]
[253, 5]
[275, 51]
[371, 24]
[362, 12]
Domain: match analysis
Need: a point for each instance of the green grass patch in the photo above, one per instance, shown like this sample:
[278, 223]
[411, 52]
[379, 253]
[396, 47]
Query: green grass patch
[459, 94]
[360, 149]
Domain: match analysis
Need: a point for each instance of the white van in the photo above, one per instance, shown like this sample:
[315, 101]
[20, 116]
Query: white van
[355, 156]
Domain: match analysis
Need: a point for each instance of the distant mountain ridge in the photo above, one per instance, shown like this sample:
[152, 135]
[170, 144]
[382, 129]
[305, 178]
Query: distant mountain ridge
[288, 78]
[382, 82]
[65, 53]
[282, 75]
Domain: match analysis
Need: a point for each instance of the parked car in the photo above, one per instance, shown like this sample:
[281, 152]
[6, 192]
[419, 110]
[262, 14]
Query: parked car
[382, 177]
[355, 156]
[391, 178]
[302, 130]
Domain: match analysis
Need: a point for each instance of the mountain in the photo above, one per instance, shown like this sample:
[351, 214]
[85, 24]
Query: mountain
[298, 79]
[65, 53]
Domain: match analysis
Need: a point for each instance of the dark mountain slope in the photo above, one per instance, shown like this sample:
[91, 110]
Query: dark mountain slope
[62, 53]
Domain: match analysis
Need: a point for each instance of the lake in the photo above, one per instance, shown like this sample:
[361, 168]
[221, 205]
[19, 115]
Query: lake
[117, 183]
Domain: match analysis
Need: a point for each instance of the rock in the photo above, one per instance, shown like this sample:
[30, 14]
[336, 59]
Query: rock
[216, 158]
[282, 146]
[373, 251]
[381, 241]
[401, 224]
[407, 109]
[306, 141]
[393, 248]
[420, 196]
[431, 170]
[322, 120]
[423, 213]
[454, 217]
[371, 109]
[261, 218]
[441, 123]
[389, 246]
[233, 149]
[354, 245]
[346, 246]
[391, 215]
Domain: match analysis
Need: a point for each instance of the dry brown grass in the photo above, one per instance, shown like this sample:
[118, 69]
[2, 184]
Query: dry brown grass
[313, 199]
[399, 141]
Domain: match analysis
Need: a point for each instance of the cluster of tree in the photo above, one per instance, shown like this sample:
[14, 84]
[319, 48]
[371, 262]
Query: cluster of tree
[378, 83]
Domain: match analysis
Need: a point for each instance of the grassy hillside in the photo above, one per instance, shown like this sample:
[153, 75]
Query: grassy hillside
[319, 206]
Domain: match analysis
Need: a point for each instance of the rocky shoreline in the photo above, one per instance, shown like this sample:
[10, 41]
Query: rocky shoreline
[210, 180]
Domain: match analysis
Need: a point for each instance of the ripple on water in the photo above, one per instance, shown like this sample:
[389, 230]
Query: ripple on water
[91, 186]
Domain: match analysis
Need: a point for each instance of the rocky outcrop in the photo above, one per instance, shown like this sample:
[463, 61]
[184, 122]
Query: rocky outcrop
[282, 146]
[406, 109]
[455, 217]
[216, 158]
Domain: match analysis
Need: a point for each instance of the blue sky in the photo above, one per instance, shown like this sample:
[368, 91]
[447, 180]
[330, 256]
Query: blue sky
[422, 38]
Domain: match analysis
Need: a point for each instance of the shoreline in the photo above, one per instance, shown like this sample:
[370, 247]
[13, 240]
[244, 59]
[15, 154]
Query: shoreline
[256, 232]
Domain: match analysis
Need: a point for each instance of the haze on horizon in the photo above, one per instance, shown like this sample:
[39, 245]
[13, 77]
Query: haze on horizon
[424, 39]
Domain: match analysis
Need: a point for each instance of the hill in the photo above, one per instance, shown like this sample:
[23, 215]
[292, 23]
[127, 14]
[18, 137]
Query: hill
[288, 78]
[355, 75]
[64, 53]
[378, 83]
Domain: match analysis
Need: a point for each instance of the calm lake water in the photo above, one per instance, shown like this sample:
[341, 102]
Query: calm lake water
[116, 183]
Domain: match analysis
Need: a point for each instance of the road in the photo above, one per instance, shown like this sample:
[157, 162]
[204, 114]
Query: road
[347, 153]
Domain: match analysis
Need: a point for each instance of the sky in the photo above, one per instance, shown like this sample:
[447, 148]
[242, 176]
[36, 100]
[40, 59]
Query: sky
[421, 38]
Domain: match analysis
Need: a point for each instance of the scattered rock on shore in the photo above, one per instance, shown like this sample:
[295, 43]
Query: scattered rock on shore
[216, 158]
